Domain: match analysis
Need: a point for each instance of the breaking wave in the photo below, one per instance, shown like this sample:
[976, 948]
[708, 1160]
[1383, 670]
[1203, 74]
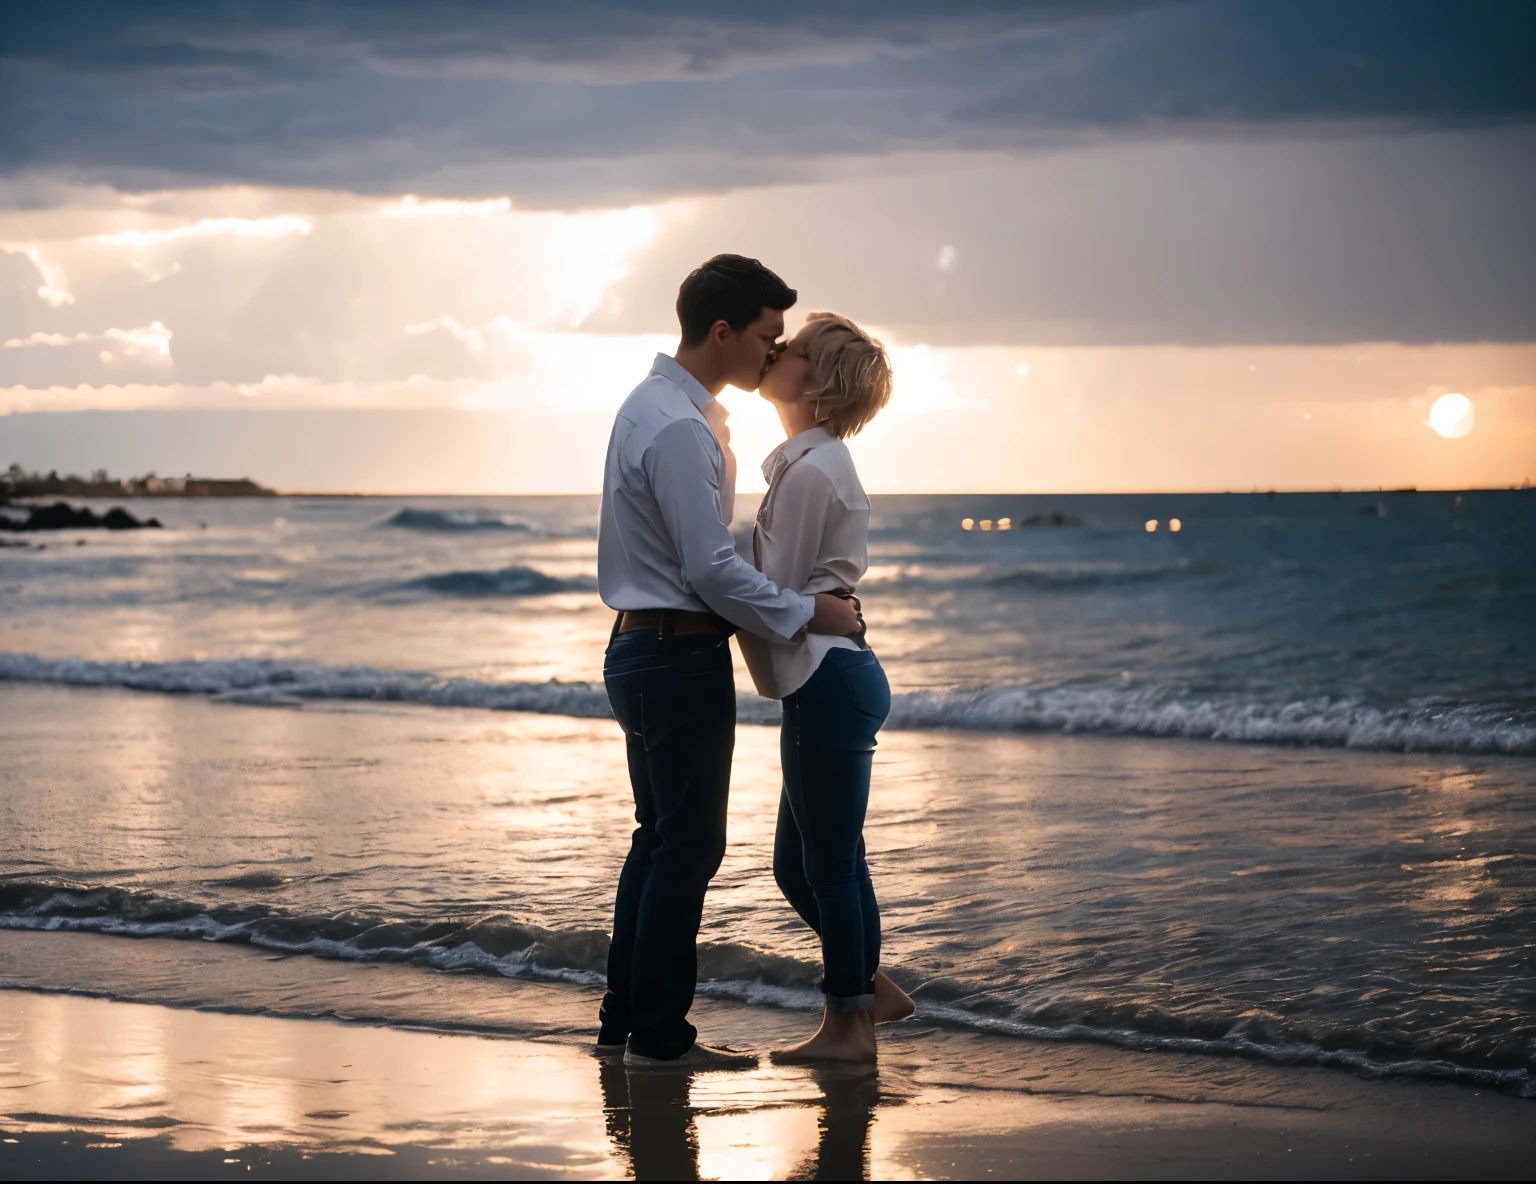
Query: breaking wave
[1104, 710]
[505, 945]
[454, 520]
[504, 582]
[265, 681]
[1157, 711]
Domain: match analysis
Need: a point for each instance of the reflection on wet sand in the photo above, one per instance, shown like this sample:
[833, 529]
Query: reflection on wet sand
[651, 1124]
[848, 1107]
[91, 1088]
[206, 1082]
[751, 1126]
[106, 1075]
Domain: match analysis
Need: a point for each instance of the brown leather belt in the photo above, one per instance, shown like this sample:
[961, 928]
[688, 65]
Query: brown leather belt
[673, 622]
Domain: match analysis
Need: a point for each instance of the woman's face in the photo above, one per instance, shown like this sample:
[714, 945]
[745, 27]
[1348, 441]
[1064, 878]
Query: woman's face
[788, 379]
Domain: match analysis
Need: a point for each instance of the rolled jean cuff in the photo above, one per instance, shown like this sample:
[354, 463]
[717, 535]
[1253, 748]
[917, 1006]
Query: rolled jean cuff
[850, 1002]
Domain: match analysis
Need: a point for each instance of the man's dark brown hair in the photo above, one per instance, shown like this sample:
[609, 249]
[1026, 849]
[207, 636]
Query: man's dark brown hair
[729, 288]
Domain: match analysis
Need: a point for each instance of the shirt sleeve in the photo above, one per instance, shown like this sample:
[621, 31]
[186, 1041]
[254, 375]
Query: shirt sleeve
[686, 487]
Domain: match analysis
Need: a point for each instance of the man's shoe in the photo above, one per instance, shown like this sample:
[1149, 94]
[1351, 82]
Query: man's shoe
[700, 1058]
[610, 1050]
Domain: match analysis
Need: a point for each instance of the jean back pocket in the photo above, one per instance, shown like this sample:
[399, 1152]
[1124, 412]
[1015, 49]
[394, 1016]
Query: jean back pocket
[866, 682]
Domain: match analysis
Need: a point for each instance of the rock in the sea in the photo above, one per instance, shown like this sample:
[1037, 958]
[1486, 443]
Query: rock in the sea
[63, 516]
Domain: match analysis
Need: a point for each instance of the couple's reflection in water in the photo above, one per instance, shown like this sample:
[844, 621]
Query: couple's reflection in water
[650, 1118]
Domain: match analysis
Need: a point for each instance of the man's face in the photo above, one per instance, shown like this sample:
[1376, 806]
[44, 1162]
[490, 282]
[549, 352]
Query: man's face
[749, 352]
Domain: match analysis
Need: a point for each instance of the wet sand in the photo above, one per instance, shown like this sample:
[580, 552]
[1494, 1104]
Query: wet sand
[395, 1084]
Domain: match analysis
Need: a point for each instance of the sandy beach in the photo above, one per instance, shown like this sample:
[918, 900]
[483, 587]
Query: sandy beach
[114, 1089]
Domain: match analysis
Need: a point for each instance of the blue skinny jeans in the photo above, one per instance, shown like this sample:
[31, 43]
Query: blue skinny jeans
[827, 746]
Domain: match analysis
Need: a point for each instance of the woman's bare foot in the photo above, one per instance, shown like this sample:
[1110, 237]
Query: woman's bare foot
[891, 1002]
[847, 1036]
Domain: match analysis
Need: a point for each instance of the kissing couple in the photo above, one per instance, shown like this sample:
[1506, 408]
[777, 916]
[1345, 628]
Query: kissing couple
[667, 565]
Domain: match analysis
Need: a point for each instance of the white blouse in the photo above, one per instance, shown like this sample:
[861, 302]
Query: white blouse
[812, 536]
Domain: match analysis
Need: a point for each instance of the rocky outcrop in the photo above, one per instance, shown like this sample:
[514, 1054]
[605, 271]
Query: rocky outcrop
[63, 516]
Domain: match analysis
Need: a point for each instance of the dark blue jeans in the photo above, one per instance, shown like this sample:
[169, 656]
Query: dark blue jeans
[827, 748]
[675, 698]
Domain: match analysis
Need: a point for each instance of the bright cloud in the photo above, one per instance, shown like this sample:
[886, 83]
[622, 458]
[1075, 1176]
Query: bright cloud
[275, 227]
[921, 381]
[153, 340]
[591, 252]
[54, 290]
[473, 340]
[32, 340]
[273, 392]
[576, 372]
[573, 262]
[411, 206]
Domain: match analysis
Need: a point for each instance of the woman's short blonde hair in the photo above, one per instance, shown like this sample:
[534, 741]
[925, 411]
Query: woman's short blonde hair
[851, 372]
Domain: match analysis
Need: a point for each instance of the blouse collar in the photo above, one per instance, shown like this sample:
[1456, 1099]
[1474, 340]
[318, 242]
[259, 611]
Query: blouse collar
[792, 450]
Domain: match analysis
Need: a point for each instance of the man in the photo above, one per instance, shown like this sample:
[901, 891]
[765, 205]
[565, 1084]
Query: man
[667, 564]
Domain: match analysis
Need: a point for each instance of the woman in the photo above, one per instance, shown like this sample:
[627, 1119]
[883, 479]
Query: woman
[812, 534]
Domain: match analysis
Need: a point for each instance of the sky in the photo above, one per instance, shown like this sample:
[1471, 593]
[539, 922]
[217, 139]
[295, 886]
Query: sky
[430, 247]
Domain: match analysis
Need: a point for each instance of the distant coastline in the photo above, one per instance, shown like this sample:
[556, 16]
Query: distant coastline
[16, 482]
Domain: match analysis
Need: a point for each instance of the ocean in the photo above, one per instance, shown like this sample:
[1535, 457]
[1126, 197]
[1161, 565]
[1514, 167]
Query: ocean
[1264, 786]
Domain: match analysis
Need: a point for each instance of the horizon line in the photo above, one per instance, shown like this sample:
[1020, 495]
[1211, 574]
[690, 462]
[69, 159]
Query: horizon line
[1255, 492]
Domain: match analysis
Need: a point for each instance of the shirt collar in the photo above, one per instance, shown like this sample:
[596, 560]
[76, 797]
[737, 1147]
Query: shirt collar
[671, 369]
[792, 450]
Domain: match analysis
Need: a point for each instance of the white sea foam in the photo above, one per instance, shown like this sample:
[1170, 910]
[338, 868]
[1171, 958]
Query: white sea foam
[1104, 710]
[1320, 721]
[501, 945]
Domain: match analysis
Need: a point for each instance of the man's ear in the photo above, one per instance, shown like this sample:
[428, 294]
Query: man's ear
[720, 332]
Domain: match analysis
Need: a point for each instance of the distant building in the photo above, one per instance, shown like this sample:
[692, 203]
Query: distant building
[16, 482]
[223, 487]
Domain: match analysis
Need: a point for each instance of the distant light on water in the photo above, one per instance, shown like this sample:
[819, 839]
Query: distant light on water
[985, 524]
[967, 524]
[1175, 525]
[1151, 525]
[1005, 524]
[1452, 416]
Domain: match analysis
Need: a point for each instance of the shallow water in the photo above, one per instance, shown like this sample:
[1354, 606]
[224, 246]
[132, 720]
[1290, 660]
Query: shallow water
[1366, 910]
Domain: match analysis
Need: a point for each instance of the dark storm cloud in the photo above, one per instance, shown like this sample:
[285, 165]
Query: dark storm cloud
[617, 100]
[1414, 238]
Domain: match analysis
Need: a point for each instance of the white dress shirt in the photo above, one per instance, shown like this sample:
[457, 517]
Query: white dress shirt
[812, 534]
[662, 541]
